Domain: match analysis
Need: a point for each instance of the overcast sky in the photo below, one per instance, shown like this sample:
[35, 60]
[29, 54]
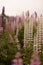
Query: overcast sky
[16, 7]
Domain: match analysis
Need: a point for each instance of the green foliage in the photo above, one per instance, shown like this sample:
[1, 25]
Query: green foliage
[13, 34]
[41, 54]
[42, 47]
[34, 31]
[41, 57]
[21, 36]
[26, 54]
[7, 50]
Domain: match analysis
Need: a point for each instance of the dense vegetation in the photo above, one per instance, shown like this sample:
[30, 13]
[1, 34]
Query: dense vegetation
[8, 50]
